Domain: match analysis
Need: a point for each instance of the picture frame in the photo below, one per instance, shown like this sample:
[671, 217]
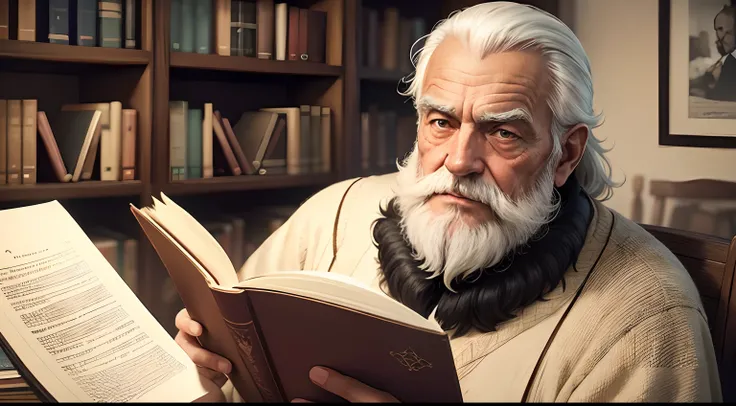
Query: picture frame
[689, 116]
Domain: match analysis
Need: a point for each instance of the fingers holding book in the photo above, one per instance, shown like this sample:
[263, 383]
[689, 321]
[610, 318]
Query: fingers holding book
[346, 387]
[211, 365]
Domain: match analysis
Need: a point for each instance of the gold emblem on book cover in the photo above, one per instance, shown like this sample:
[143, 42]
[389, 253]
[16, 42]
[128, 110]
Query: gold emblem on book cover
[410, 360]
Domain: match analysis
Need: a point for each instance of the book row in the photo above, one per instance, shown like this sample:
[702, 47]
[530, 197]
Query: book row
[71, 141]
[385, 137]
[108, 23]
[289, 140]
[255, 28]
[388, 38]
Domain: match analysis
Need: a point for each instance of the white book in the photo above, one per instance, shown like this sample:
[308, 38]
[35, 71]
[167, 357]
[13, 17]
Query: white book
[77, 331]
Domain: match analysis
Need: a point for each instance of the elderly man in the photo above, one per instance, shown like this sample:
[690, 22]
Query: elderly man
[494, 226]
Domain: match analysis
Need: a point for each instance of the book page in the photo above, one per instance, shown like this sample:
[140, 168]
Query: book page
[343, 291]
[75, 324]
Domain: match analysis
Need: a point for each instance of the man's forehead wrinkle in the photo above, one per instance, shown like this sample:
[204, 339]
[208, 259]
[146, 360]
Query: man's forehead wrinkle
[463, 78]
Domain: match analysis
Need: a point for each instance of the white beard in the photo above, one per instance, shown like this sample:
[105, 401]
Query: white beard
[468, 248]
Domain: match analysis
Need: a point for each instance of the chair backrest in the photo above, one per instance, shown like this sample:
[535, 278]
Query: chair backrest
[701, 189]
[711, 262]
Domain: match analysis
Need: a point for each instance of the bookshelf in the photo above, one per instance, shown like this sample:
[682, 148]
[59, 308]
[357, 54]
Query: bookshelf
[148, 77]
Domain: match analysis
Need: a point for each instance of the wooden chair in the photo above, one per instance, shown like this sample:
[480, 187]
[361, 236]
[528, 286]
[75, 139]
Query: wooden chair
[711, 262]
[701, 190]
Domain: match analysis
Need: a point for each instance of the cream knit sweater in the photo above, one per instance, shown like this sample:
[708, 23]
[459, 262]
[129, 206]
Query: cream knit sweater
[638, 332]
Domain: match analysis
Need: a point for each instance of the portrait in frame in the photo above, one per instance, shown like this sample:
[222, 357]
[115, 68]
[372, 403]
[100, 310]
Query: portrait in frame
[697, 73]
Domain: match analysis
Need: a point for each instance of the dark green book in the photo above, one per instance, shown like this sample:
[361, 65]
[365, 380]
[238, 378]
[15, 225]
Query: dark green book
[176, 24]
[110, 23]
[194, 144]
[187, 25]
[203, 26]
[86, 22]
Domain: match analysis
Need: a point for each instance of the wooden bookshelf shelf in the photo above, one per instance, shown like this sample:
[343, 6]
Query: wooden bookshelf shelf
[191, 60]
[380, 75]
[246, 182]
[78, 190]
[41, 51]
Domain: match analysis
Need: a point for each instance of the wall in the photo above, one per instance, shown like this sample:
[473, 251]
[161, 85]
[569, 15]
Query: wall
[621, 39]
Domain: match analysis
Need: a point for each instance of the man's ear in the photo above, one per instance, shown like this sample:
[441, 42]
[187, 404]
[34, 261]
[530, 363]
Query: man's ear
[573, 144]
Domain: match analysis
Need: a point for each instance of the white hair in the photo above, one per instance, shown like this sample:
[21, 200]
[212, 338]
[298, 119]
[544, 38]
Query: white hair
[503, 26]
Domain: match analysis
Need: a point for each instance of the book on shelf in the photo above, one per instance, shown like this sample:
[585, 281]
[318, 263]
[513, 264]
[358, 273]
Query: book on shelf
[322, 319]
[69, 142]
[108, 24]
[72, 327]
[388, 39]
[290, 140]
[254, 28]
[385, 137]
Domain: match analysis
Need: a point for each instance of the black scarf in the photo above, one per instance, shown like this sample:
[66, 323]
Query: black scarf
[488, 297]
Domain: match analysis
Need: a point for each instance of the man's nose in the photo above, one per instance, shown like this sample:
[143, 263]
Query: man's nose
[465, 154]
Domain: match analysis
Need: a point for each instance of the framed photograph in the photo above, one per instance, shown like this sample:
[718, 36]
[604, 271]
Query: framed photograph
[697, 73]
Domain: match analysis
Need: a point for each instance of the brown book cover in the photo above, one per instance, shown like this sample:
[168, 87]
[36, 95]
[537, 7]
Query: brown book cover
[224, 159]
[293, 34]
[389, 36]
[373, 43]
[129, 135]
[340, 323]
[4, 19]
[28, 136]
[27, 20]
[52, 149]
[3, 141]
[266, 23]
[303, 34]
[245, 164]
[316, 38]
[222, 26]
[14, 133]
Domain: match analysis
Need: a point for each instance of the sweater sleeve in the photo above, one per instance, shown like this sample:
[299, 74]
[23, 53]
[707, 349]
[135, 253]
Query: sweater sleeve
[668, 357]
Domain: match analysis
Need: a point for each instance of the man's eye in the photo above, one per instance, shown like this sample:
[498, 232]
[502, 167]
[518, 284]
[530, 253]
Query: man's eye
[441, 123]
[505, 134]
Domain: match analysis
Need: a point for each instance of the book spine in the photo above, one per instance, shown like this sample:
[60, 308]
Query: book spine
[3, 140]
[110, 23]
[176, 24]
[222, 26]
[326, 136]
[316, 38]
[194, 144]
[292, 32]
[207, 153]
[28, 136]
[59, 21]
[244, 328]
[236, 22]
[282, 11]
[303, 34]
[4, 19]
[14, 134]
[130, 13]
[265, 34]
[203, 26]
[177, 139]
[305, 125]
[187, 25]
[87, 23]
[129, 136]
[26, 20]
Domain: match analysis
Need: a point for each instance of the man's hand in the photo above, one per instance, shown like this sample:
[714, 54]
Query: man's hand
[211, 366]
[346, 387]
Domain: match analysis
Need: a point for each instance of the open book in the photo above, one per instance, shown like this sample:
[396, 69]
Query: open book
[275, 327]
[71, 326]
